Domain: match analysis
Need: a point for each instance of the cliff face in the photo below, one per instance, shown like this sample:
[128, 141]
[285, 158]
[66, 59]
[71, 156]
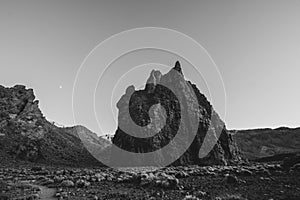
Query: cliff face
[149, 120]
[26, 135]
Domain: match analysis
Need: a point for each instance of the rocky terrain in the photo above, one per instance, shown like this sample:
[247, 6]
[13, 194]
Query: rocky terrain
[26, 135]
[39, 160]
[268, 144]
[251, 181]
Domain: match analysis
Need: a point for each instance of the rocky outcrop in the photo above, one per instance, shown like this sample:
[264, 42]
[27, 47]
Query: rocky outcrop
[27, 135]
[150, 119]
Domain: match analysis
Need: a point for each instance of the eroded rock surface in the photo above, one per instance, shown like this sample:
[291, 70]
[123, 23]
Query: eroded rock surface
[27, 135]
[150, 119]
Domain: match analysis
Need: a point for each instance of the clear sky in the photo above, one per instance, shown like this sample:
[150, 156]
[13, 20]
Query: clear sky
[255, 44]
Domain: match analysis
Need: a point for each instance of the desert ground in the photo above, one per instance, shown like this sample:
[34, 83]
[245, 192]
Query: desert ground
[247, 181]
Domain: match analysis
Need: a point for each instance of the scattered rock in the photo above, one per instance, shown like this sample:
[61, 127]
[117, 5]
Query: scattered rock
[190, 197]
[154, 184]
[245, 172]
[37, 168]
[200, 194]
[33, 197]
[231, 197]
[231, 179]
[67, 183]
[82, 183]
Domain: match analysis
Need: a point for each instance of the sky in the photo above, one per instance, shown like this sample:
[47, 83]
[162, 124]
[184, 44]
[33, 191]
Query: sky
[255, 45]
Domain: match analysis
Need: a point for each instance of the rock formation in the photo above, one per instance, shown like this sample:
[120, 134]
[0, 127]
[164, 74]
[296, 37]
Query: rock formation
[149, 120]
[27, 135]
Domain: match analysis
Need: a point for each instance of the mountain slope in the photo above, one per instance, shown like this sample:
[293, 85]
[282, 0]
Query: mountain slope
[262, 143]
[27, 135]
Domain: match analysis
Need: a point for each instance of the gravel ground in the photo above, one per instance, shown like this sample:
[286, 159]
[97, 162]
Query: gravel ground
[253, 181]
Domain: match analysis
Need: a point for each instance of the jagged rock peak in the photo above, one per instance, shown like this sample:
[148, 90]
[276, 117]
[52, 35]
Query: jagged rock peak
[130, 89]
[153, 80]
[178, 67]
[27, 135]
[19, 101]
[154, 77]
[194, 114]
[157, 77]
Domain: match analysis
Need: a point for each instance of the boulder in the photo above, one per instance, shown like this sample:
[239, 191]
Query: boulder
[67, 183]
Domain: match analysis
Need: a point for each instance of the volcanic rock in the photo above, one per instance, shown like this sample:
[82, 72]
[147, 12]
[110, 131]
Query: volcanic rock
[28, 136]
[149, 120]
[67, 183]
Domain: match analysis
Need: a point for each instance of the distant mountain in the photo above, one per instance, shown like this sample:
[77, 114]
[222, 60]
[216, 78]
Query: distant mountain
[26, 135]
[92, 142]
[267, 144]
[108, 137]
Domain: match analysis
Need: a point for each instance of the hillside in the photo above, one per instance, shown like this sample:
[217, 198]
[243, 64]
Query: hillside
[26, 135]
[267, 143]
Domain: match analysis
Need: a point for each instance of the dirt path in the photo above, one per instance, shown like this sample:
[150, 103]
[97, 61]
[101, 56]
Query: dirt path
[47, 193]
